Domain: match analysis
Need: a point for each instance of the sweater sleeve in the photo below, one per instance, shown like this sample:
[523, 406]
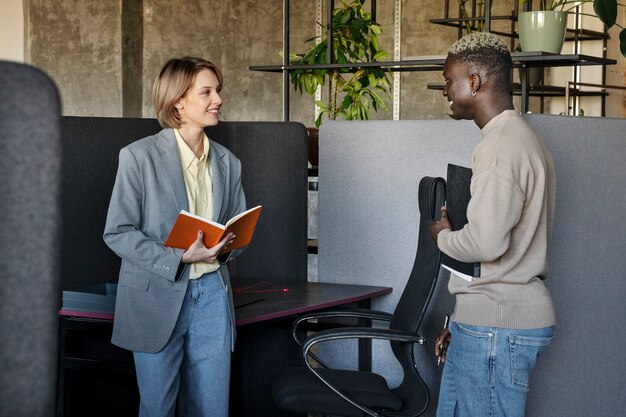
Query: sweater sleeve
[494, 210]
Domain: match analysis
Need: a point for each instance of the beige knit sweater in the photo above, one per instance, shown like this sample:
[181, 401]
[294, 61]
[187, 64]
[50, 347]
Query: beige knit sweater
[510, 218]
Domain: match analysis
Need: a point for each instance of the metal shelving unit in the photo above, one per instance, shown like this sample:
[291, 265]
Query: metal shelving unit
[577, 34]
[524, 60]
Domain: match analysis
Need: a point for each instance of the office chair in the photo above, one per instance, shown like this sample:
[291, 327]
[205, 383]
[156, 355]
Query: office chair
[321, 390]
[30, 167]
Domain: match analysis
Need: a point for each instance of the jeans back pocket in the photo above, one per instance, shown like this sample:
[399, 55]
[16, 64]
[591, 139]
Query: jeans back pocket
[524, 351]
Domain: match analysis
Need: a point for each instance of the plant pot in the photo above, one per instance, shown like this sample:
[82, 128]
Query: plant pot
[542, 31]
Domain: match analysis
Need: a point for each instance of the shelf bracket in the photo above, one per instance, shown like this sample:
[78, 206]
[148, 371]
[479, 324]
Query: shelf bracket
[397, 39]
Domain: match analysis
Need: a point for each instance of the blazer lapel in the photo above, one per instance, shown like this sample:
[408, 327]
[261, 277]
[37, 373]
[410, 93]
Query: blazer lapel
[166, 143]
[218, 178]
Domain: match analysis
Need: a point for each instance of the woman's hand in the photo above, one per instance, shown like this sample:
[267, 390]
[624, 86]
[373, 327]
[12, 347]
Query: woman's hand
[197, 252]
[441, 344]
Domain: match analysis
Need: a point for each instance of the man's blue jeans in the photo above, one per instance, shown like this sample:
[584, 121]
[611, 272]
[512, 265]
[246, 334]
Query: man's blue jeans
[194, 365]
[487, 370]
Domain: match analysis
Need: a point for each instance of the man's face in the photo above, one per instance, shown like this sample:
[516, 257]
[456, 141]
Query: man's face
[457, 89]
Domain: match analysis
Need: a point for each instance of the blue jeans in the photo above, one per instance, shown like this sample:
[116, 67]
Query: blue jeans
[194, 365]
[487, 370]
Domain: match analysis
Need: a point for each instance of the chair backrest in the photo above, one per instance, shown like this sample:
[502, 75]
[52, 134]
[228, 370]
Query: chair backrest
[416, 296]
[30, 166]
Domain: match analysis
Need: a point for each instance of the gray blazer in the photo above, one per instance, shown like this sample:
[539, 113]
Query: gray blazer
[148, 194]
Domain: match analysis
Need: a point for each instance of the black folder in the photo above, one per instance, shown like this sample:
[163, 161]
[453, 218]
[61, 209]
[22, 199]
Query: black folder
[457, 198]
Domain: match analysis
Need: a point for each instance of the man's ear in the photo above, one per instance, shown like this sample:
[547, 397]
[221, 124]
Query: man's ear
[475, 81]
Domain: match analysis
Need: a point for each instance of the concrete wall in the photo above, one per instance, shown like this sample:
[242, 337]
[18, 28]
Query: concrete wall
[78, 43]
[104, 54]
[12, 31]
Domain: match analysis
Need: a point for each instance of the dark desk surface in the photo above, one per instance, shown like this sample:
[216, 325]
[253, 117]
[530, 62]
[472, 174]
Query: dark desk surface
[271, 303]
[260, 301]
[87, 359]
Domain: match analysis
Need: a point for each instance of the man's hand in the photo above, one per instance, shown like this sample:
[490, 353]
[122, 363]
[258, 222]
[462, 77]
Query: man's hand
[197, 252]
[441, 344]
[441, 224]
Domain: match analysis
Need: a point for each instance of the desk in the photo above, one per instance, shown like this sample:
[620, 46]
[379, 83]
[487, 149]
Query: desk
[97, 378]
[265, 345]
[300, 298]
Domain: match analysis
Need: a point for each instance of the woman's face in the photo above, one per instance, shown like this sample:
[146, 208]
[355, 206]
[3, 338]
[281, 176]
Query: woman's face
[200, 106]
[457, 89]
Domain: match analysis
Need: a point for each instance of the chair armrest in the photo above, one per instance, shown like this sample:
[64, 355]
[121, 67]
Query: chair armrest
[360, 333]
[361, 313]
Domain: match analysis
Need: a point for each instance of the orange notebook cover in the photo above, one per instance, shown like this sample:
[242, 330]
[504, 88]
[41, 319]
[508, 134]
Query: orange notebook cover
[185, 229]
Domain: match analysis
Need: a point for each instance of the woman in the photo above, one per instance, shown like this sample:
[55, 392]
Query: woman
[174, 307]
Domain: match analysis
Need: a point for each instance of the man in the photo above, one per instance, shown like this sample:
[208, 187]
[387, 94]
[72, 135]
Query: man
[504, 319]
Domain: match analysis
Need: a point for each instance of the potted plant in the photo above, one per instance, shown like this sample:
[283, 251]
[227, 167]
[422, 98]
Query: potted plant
[353, 91]
[555, 12]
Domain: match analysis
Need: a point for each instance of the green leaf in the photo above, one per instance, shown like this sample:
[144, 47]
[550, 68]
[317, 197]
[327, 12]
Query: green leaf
[379, 56]
[318, 121]
[321, 105]
[347, 101]
[345, 17]
[377, 101]
[307, 84]
[311, 39]
[606, 11]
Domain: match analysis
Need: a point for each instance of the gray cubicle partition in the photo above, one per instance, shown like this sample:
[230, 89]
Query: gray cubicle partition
[274, 173]
[30, 158]
[368, 217]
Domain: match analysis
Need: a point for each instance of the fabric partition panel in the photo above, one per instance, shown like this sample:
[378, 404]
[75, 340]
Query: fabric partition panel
[584, 371]
[368, 215]
[274, 174]
[274, 161]
[368, 220]
[91, 146]
[30, 162]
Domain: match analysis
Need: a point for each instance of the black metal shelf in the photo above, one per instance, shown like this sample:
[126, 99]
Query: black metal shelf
[524, 60]
[435, 62]
[539, 90]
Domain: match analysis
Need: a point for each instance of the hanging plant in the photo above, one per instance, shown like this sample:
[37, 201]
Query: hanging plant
[353, 92]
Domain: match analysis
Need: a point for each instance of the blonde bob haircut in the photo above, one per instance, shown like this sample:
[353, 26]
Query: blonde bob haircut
[175, 79]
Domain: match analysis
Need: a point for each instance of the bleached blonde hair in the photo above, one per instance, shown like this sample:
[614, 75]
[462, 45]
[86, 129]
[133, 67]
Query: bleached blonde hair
[487, 51]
